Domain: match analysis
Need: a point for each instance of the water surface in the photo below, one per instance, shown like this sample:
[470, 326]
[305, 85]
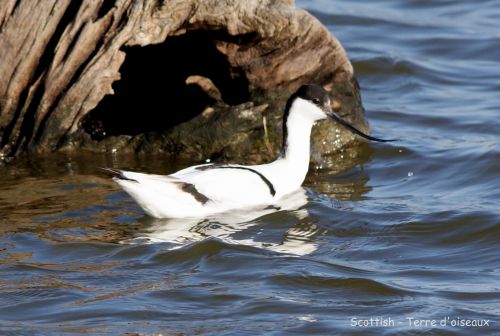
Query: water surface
[406, 231]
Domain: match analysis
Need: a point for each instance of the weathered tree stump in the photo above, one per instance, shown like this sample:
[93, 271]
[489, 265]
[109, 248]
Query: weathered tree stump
[195, 78]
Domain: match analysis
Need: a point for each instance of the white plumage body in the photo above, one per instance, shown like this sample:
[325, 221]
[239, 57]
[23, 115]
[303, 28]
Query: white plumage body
[203, 190]
[224, 188]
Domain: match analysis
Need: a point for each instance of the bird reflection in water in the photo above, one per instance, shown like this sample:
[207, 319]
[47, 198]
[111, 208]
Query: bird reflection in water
[240, 227]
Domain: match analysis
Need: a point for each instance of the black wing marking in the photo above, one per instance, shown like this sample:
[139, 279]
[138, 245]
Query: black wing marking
[117, 174]
[191, 189]
[272, 191]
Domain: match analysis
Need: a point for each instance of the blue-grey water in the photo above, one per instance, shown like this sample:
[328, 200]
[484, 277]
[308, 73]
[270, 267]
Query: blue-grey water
[406, 240]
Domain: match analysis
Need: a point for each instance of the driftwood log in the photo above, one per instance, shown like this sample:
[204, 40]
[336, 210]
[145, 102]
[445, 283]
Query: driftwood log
[194, 78]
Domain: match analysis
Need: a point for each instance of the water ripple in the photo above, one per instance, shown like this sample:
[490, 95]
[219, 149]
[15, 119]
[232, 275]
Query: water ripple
[405, 230]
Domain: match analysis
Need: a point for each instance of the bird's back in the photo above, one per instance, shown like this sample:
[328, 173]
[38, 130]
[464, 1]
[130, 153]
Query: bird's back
[197, 191]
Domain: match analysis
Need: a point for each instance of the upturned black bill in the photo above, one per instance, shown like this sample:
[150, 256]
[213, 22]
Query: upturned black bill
[337, 118]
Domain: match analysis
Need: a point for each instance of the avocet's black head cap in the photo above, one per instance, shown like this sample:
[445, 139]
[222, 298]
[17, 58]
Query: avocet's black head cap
[312, 93]
[317, 95]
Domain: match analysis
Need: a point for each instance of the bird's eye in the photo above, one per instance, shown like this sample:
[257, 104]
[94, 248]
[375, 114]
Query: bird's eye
[316, 101]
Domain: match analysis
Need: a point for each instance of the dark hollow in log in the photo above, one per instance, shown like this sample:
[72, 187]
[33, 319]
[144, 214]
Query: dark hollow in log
[152, 94]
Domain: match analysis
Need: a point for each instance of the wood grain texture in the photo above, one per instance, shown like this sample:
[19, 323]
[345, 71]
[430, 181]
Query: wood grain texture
[60, 58]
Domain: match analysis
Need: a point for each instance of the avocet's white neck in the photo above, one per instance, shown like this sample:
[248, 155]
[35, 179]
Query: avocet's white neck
[297, 131]
[290, 169]
[296, 141]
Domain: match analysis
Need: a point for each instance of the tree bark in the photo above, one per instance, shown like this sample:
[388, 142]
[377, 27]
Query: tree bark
[61, 59]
